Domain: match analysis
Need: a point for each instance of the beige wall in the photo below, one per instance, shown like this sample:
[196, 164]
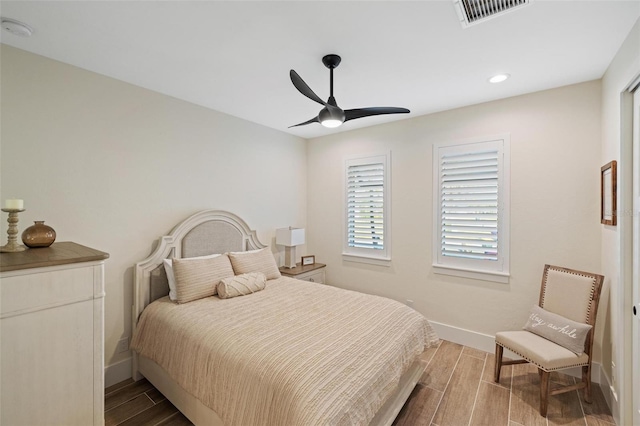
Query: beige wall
[114, 166]
[555, 162]
[615, 140]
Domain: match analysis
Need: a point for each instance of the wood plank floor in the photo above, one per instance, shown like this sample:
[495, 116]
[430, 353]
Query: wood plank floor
[456, 389]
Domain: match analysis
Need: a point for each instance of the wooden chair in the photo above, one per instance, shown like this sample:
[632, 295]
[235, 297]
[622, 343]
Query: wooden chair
[573, 295]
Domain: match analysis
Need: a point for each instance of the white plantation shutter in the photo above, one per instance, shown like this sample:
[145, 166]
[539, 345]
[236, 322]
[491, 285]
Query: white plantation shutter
[365, 206]
[471, 209]
[469, 205]
[367, 201]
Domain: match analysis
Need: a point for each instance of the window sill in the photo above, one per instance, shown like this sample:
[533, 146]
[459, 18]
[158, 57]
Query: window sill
[498, 277]
[380, 261]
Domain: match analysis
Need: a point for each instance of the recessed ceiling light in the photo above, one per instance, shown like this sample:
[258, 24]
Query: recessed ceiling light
[16, 28]
[499, 78]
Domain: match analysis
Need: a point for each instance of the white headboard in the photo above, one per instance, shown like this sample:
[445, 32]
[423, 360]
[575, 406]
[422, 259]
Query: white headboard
[206, 232]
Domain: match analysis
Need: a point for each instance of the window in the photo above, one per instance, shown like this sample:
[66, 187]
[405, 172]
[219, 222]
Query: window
[367, 219]
[471, 209]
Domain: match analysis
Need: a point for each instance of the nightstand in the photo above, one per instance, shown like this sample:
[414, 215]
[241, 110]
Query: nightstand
[313, 273]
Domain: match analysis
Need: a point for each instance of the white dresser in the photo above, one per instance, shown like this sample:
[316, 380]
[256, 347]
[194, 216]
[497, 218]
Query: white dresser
[52, 334]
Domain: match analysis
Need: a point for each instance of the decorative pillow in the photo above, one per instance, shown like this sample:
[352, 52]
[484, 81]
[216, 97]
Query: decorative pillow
[558, 329]
[241, 285]
[199, 277]
[171, 278]
[261, 260]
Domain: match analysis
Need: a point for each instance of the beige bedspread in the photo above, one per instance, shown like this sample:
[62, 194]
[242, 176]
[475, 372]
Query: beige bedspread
[296, 353]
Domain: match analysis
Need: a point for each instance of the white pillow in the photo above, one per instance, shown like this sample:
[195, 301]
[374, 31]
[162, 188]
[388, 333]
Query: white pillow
[168, 268]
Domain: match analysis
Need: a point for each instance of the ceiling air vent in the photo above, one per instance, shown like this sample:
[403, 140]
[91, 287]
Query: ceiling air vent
[472, 12]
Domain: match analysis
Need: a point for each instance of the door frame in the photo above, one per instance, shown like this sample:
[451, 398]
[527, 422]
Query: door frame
[628, 392]
[635, 261]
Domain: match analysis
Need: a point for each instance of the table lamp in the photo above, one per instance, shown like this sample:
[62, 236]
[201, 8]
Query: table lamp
[290, 238]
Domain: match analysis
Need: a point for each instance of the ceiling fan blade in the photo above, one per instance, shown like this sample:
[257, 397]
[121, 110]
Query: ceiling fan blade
[304, 88]
[351, 114]
[313, 120]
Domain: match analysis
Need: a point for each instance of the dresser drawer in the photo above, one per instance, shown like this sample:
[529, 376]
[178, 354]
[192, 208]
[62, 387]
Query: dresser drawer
[43, 288]
[313, 276]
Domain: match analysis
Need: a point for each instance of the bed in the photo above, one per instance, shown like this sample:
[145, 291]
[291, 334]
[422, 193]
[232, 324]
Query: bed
[294, 353]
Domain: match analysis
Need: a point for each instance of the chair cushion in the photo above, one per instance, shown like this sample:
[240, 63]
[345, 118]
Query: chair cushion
[569, 294]
[540, 351]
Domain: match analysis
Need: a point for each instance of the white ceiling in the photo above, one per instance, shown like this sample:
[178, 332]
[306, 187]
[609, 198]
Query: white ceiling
[235, 56]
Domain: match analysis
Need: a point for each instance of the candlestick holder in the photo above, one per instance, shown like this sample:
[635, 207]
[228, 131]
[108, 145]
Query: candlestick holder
[12, 232]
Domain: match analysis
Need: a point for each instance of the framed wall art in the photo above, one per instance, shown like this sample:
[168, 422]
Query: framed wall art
[608, 189]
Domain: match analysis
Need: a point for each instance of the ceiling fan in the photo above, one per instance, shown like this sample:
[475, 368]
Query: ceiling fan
[332, 115]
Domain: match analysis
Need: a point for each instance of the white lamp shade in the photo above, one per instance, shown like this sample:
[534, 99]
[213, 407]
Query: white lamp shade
[290, 237]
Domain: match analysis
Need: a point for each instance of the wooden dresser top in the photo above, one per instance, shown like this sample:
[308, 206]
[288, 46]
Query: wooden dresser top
[56, 254]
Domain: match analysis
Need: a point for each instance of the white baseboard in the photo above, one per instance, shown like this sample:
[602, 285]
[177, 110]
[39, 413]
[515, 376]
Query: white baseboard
[609, 393]
[485, 342]
[473, 339]
[116, 373]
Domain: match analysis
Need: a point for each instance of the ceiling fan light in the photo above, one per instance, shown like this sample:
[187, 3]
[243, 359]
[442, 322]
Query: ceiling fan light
[331, 123]
[331, 117]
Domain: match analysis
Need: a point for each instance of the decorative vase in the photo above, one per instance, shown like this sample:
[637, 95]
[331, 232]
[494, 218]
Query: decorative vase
[38, 235]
